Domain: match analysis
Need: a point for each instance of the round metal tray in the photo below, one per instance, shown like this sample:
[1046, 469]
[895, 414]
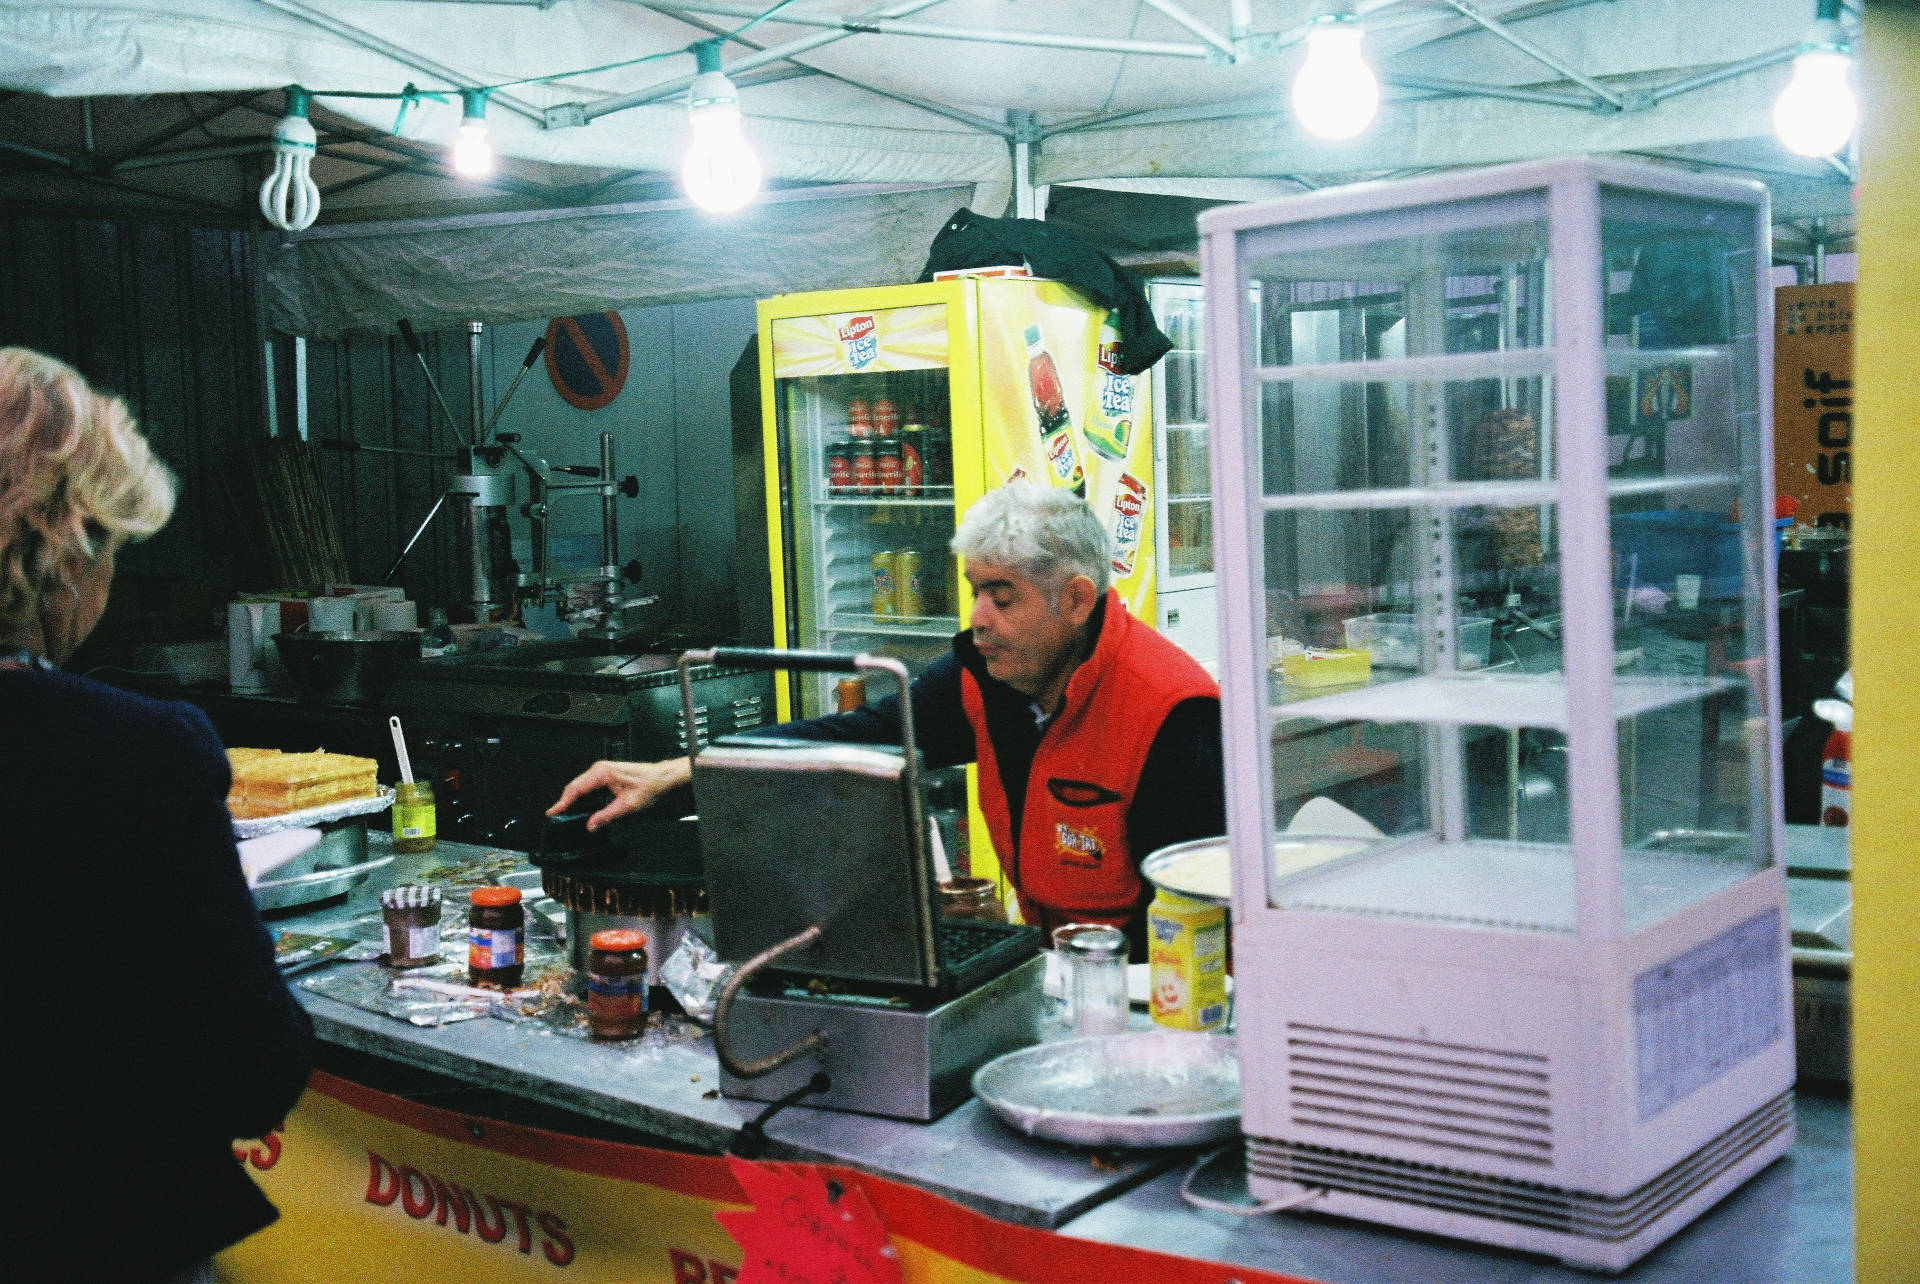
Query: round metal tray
[1180, 868]
[1142, 1089]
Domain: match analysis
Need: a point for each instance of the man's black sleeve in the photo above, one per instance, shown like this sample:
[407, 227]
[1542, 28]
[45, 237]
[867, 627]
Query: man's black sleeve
[1182, 789]
[940, 723]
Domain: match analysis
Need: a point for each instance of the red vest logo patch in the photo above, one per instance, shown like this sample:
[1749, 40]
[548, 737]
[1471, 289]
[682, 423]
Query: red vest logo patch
[1075, 846]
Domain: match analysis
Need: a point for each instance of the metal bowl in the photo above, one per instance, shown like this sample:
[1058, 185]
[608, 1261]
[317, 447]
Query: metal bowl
[1189, 869]
[1143, 1089]
[347, 668]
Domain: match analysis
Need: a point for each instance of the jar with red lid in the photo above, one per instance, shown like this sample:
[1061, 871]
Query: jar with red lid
[496, 937]
[617, 984]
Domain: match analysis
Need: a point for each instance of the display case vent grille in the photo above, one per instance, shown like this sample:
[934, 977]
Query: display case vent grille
[1441, 1096]
[1505, 1199]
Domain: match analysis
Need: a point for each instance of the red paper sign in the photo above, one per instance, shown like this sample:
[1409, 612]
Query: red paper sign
[801, 1230]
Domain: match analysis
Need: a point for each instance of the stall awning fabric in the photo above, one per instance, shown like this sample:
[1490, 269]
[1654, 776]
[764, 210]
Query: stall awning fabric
[362, 278]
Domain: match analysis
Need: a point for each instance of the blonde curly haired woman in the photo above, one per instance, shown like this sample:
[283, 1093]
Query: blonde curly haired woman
[163, 1029]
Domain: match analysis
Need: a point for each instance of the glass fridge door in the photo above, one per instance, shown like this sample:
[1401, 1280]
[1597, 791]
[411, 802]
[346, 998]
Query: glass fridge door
[867, 472]
[1186, 531]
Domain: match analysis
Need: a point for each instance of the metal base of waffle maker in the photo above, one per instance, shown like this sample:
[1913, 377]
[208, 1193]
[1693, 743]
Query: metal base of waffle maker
[821, 890]
[886, 1057]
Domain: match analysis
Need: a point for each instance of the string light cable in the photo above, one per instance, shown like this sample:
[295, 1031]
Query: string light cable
[721, 171]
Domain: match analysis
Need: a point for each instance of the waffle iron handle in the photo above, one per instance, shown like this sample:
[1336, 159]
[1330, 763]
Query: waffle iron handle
[730, 989]
[817, 662]
[827, 662]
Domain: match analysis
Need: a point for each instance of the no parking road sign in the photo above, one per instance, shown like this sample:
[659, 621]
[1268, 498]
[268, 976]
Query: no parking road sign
[587, 358]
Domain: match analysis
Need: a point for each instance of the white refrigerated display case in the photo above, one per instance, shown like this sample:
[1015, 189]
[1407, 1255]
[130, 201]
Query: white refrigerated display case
[1483, 427]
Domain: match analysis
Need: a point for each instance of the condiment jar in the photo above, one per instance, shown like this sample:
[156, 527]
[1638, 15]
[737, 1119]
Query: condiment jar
[496, 937]
[971, 898]
[617, 984]
[1097, 958]
[412, 917]
[413, 817]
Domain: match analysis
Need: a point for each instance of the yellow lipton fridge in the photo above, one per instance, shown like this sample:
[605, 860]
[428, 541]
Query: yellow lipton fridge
[888, 412]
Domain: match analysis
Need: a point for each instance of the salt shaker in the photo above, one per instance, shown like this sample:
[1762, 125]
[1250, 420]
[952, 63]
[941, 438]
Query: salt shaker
[1097, 958]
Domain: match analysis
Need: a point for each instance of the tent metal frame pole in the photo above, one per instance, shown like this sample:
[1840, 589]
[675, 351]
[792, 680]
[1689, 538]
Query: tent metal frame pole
[400, 54]
[1727, 71]
[666, 89]
[1197, 27]
[979, 35]
[1466, 89]
[1535, 52]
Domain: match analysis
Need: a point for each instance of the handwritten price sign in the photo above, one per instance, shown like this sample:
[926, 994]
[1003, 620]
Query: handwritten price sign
[801, 1231]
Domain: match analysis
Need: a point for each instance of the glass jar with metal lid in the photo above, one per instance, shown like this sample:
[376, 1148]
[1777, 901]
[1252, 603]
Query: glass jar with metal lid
[412, 919]
[496, 937]
[617, 984]
[1097, 967]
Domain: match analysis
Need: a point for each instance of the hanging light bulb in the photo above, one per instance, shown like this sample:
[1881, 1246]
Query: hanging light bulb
[1816, 113]
[721, 172]
[289, 198]
[1335, 94]
[472, 149]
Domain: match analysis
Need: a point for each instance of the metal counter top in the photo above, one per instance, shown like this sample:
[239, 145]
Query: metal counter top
[966, 1156]
[1791, 1222]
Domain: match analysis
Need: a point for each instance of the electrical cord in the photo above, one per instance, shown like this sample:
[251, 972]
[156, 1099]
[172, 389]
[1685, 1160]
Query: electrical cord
[1278, 1204]
[752, 1141]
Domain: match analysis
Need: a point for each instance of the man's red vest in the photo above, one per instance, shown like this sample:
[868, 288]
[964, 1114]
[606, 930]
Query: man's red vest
[1073, 862]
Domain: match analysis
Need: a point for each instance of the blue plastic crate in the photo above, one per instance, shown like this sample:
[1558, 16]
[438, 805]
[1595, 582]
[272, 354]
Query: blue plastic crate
[1658, 547]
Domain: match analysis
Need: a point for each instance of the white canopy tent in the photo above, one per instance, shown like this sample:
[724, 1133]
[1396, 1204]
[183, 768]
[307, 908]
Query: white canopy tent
[920, 105]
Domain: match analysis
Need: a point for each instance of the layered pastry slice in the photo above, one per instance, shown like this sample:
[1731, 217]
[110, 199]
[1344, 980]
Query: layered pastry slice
[267, 782]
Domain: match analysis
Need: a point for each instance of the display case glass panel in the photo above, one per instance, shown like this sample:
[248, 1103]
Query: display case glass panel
[1684, 470]
[1181, 379]
[867, 471]
[1405, 399]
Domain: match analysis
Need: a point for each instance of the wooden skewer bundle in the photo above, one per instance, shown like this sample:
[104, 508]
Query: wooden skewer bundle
[283, 521]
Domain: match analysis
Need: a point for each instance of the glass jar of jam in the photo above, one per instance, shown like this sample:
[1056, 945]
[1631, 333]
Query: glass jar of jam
[617, 984]
[496, 937]
[974, 898]
[412, 917]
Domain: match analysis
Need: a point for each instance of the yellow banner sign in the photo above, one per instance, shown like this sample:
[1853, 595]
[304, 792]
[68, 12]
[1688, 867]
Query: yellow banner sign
[372, 1186]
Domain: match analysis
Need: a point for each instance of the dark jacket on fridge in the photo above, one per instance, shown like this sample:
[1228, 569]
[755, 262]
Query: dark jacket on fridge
[152, 1027]
[972, 240]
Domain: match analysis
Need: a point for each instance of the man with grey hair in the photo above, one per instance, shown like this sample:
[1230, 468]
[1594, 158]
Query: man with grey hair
[1097, 739]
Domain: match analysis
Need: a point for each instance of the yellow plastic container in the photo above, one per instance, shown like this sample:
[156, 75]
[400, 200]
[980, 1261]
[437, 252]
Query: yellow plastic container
[1187, 962]
[1336, 668]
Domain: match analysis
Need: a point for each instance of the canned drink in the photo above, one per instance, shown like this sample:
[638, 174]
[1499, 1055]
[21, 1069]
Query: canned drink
[863, 470]
[859, 420]
[886, 417]
[886, 592]
[839, 468]
[889, 473]
[849, 694]
[910, 589]
[913, 458]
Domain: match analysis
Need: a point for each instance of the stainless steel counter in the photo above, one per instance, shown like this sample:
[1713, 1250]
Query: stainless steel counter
[965, 1156]
[1791, 1223]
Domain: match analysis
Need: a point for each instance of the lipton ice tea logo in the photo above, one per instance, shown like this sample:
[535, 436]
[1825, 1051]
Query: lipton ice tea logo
[859, 339]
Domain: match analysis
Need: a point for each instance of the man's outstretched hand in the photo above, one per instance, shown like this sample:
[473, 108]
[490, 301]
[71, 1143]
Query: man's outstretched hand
[633, 784]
